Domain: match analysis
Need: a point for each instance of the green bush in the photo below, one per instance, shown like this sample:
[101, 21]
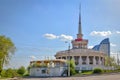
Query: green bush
[107, 71]
[77, 71]
[72, 71]
[83, 71]
[26, 74]
[110, 71]
[98, 70]
[3, 73]
[9, 73]
[21, 70]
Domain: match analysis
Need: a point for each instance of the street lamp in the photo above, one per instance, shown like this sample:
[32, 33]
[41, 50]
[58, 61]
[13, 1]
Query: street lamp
[68, 59]
[117, 59]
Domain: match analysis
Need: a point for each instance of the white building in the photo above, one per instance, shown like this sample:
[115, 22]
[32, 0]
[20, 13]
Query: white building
[84, 58]
[46, 68]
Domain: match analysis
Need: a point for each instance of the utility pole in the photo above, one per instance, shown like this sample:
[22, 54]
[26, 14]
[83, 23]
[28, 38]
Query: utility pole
[118, 61]
[69, 60]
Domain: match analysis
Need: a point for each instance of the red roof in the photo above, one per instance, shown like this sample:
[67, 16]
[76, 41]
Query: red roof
[79, 39]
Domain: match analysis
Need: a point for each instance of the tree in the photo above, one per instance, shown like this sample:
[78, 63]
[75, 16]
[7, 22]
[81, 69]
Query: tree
[28, 68]
[72, 67]
[9, 73]
[7, 49]
[21, 70]
[110, 62]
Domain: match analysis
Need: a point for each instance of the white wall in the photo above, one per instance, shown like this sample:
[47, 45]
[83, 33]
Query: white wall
[53, 71]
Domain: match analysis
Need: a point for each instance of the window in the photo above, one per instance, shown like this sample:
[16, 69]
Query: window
[37, 69]
[84, 59]
[76, 60]
[43, 71]
[63, 57]
[90, 59]
[97, 59]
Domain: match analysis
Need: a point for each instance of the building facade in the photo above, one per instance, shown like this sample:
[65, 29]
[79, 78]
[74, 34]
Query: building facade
[104, 46]
[44, 68]
[84, 58]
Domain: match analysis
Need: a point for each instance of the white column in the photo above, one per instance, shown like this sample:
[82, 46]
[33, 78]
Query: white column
[102, 62]
[80, 60]
[99, 60]
[94, 60]
[87, 60]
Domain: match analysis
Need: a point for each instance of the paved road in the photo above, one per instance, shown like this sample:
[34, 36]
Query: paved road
[94, 77]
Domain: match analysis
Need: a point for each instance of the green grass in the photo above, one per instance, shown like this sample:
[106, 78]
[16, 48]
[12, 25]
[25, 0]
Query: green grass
[3, 78]
[84, 73]
[87, 73]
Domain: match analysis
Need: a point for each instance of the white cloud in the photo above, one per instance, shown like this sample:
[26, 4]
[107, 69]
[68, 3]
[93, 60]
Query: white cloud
[100, 33]
[90, 47]
[118, 32]
[113, 45]
[62, 37]
[65, 37]
[50, 36]
[112, 52]
[32, 57]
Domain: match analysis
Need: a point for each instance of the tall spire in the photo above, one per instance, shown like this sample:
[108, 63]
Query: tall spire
[79, 26]
[79, 35]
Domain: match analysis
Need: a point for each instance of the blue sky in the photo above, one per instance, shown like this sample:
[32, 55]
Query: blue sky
[39, 28]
